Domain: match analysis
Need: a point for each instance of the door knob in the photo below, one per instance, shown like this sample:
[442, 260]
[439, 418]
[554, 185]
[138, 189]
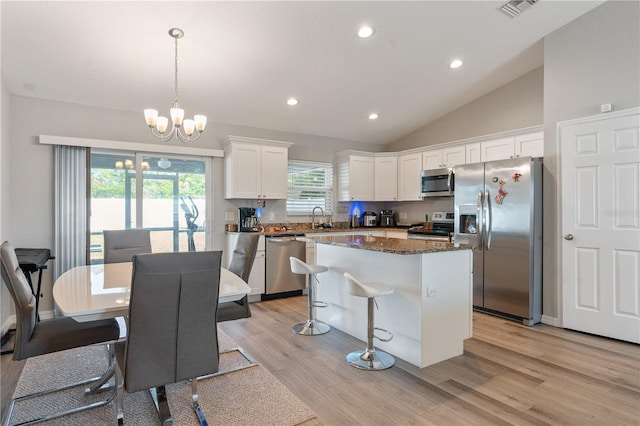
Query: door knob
[568, 237]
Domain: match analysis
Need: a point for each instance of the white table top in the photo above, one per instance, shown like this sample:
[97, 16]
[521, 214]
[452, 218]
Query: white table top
[92, 292]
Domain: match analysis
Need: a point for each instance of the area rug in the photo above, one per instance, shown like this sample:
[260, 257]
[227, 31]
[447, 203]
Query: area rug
[249, 396]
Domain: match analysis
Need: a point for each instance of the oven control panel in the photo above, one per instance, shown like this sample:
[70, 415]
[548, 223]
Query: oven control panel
[446, 217]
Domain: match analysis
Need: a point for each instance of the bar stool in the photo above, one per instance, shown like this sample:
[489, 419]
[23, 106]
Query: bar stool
[312, 327]
[370, 359]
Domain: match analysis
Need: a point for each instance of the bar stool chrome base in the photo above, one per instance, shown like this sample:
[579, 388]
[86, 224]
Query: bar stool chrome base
[371, 360]
[311, 328]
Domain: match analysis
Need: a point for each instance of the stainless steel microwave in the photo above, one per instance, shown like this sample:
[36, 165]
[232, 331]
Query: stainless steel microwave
[437, 183]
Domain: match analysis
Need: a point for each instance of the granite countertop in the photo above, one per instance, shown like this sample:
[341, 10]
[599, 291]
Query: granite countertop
[387, 245]
[308, 230]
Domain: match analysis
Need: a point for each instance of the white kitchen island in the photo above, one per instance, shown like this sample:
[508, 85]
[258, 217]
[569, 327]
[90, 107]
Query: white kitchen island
[430, 312]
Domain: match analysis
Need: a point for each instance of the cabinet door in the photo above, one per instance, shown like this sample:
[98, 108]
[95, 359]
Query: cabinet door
[498, 149]
[432, 159]
[257, 276]
[472, 154]
[409, 167]
[386, 178]
[244, 173]
[361, 178]
[529, 145]
[453, 156]
[274, 172]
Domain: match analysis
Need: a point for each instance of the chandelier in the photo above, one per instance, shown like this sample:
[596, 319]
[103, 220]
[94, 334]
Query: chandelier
[184, 129]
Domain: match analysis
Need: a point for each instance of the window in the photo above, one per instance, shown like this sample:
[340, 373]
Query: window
[169, 199]
[310, 185]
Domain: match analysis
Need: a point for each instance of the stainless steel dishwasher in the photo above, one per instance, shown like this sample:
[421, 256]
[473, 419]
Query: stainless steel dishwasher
[280, 281]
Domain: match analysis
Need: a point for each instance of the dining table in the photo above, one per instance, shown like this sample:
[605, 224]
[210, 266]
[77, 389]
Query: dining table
[92, 292]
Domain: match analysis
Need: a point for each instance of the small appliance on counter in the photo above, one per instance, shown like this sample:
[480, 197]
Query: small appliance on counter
[248, 220]
[387, 218]
[369, 219]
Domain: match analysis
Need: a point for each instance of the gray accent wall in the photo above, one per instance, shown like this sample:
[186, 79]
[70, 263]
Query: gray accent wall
[591, 61]
[516, 105]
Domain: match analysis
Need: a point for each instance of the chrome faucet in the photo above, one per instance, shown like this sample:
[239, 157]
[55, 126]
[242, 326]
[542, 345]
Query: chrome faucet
[313, 216]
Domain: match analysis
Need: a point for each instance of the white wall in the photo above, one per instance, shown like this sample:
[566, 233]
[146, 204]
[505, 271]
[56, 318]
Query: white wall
[591, 61]
[6, 303]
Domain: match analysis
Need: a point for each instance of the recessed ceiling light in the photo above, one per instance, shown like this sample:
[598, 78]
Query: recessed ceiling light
[365, 31]
[456, 63]
[373, 116]
[292, 101]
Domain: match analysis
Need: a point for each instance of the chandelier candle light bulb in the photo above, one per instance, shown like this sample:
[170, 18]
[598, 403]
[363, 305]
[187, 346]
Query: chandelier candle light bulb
[159, 125]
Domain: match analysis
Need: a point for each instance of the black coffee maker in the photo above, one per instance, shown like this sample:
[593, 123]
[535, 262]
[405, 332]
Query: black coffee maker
[387, 218]
[248, 219]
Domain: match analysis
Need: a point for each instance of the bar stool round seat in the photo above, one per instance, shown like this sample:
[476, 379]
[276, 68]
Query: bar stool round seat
[370, 358]
[311, 327]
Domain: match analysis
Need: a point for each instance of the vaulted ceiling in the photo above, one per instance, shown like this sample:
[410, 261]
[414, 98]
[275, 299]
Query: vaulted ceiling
[240, 61]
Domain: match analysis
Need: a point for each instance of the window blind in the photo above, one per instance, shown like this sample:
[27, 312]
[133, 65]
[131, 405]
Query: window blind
[310, 185]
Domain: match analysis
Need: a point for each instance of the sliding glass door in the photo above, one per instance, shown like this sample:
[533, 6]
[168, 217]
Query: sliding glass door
[169, 199]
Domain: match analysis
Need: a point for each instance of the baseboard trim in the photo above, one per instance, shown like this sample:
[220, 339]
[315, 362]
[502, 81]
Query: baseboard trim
[553, 321]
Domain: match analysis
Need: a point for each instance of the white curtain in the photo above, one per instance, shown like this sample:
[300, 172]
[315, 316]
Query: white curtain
[70, 228]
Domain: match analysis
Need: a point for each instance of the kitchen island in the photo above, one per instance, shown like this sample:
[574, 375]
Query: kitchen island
[430, 311]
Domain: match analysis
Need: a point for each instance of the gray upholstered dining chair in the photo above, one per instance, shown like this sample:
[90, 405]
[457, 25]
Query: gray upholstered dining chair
[241, 263]
[122, 244]
[172, 331]
[34, 338]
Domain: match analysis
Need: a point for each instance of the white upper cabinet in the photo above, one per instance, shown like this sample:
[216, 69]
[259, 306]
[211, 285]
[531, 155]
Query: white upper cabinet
[445, 157]
[529, 145]
[525, 145]
[355, 177]
[386, 178]
[255, 168]
[497, 149]
[409, 168]
[472, 153]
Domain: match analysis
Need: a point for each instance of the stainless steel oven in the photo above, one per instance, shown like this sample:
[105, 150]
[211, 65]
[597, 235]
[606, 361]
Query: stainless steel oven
[437, 183]
[442, 229]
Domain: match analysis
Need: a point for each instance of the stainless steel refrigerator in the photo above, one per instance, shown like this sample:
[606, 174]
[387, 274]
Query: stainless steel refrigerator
[498, 210]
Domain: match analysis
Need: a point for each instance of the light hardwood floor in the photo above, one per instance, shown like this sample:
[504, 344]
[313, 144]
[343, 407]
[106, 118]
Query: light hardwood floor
[509, 374]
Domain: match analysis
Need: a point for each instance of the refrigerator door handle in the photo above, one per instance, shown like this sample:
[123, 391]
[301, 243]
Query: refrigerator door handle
[487, 208]
[480, 221]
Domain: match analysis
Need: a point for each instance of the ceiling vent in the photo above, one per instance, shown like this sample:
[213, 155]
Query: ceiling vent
[516, 7]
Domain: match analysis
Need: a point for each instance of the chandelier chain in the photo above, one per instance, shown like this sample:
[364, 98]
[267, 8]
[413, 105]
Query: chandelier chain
[175, 82]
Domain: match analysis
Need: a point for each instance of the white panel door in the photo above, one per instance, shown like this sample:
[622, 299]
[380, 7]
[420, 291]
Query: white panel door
[601, 226]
